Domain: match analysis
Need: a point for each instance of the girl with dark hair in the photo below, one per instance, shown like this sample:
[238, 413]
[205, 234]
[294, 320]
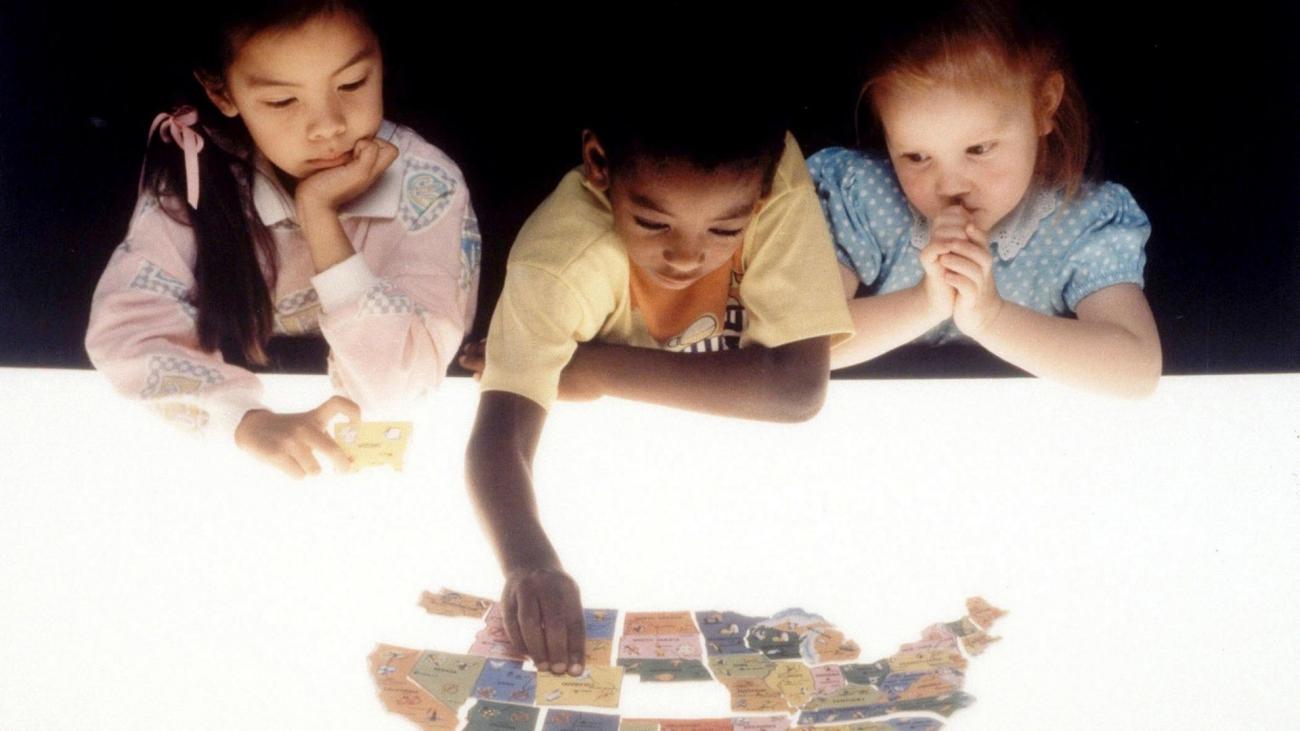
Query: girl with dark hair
[286, 204]
[977, 224]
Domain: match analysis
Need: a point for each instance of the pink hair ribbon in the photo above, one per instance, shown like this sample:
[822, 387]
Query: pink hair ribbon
[178, 128]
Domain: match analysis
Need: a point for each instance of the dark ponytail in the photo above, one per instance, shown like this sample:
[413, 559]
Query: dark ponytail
[235, 263]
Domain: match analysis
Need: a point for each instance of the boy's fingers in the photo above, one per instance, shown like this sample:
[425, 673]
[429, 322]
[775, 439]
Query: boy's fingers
[509, 613]
[557, 644]
[573, 644]
[530, 625]
[577, 644]
[469, 353]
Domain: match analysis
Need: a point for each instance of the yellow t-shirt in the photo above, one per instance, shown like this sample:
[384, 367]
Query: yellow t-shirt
[567, 282]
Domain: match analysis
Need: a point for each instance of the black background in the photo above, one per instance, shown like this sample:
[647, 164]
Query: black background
[1195, 112]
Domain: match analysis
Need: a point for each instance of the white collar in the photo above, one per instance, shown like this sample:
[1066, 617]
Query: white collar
[275, 205]
[1011, 234]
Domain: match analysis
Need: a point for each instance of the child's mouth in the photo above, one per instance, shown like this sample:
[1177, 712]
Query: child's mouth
[675, 280]
[329, 162]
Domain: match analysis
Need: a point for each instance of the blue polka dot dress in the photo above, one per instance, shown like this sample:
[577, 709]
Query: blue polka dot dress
[1049, 254]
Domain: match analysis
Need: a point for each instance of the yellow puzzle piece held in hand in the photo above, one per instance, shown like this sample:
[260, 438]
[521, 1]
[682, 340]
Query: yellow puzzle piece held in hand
[374, 443]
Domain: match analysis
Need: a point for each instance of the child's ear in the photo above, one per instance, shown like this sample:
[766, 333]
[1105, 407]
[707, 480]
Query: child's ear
[1049, 100]
[595, 163]
[217, 92]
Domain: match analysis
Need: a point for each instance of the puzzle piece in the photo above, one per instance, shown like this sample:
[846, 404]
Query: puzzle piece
[373, 443]
[597, 686]
[454, 604]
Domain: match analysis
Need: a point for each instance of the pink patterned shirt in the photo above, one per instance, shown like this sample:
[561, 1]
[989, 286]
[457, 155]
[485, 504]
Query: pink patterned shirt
[393, 314]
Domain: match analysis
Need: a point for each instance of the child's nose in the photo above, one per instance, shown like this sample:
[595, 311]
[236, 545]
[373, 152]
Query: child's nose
[328, 122]
[682, 252]
[952, 185]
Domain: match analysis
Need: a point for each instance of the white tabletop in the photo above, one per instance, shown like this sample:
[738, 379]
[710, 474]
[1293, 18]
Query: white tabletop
[1149, 552]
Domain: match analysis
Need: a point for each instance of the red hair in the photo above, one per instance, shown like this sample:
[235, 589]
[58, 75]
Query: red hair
[983, 44]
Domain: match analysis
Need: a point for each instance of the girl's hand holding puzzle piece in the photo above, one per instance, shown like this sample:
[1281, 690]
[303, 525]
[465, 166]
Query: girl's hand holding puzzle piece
[285, 124]
[289, 441]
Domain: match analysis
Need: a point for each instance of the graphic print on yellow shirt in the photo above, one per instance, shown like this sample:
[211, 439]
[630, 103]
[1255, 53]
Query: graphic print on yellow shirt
[703, 318]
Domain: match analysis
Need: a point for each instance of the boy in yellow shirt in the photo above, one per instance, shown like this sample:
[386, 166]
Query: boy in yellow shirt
[687, 263]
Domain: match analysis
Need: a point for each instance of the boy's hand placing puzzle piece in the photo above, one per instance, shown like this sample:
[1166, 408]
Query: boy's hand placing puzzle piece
[373, 443]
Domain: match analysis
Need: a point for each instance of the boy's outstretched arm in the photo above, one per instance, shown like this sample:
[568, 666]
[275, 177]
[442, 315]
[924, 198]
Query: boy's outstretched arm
[540, 602]
[782, 383]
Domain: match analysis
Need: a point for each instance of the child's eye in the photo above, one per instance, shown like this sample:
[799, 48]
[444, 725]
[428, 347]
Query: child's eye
[980, 149]
[726, 232]
[650, 225]
[356, 84]
[281, 103]
[915, 158]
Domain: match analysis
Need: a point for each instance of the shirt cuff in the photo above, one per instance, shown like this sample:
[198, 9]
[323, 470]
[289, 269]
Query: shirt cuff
[224, 416]
[343, 283]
